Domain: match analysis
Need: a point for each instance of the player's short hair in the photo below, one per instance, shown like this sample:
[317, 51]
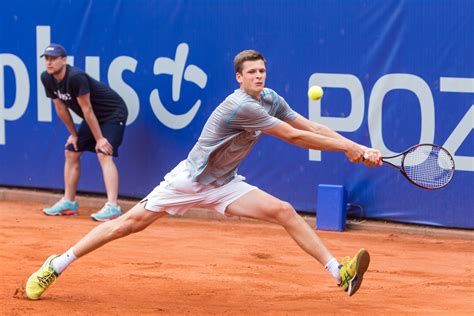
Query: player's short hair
[246, 55]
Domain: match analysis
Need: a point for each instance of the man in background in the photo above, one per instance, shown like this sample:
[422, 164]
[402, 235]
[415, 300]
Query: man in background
[104, 115]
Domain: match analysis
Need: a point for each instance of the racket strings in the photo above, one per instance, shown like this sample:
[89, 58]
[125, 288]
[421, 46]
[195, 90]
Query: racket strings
[429, 166]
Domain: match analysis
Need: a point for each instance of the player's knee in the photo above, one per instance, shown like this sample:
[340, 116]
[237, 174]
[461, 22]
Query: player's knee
[283, 212]
[121, 228]
[125, 226]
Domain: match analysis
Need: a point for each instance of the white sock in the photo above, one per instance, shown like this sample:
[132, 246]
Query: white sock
[333, 267]
[63, 261]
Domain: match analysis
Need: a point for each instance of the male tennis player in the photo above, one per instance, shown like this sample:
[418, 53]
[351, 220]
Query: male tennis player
[104, 113]
[208, 177]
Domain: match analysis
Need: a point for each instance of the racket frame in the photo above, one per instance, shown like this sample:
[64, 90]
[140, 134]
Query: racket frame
[402, 167]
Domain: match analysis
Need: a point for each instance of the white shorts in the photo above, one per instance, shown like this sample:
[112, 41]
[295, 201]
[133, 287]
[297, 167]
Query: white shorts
[178, 192]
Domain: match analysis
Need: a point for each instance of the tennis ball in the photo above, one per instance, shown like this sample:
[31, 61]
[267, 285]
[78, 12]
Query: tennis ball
[315, 93]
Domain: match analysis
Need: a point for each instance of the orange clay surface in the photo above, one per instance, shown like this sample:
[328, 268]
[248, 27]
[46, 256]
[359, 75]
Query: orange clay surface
[214, 267]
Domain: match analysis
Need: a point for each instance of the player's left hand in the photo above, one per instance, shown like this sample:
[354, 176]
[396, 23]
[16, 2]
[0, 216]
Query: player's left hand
[104, 147]
[372, 157]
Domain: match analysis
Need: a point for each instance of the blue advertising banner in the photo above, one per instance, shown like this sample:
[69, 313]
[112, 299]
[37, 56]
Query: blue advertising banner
[394, 73]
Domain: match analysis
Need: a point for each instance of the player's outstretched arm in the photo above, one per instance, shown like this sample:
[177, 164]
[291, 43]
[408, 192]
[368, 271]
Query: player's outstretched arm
[373, 155]
[304, 124]
[310, 140]
[320, 141]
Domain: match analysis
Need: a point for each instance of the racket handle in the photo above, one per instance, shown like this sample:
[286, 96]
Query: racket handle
[366, 155]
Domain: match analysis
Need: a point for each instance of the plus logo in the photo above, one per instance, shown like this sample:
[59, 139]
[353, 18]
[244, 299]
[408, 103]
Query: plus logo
[178, 70]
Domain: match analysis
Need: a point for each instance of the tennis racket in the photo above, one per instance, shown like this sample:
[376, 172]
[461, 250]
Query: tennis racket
[427, 166]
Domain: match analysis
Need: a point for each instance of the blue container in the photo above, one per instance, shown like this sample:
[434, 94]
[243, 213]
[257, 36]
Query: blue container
[331, 207]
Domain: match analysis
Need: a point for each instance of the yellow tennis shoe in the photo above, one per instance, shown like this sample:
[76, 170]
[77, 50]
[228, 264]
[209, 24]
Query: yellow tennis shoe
[39, 281]
[352, 271]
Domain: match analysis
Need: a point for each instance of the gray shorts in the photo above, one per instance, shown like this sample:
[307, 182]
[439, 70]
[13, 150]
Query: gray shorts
[178, 192]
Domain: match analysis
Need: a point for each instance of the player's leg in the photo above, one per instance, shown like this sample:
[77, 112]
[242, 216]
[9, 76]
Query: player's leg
[175, 195]
[135, 220]
[261, 205]
[113, 132]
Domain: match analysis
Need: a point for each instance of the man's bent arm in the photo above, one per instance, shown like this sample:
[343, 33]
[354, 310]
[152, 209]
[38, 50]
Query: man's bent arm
[91, 120]
[65, 116]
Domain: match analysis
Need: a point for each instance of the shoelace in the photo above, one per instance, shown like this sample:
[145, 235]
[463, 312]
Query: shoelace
[45, 281]
[107, 209]
[346, 277]
[345, 260]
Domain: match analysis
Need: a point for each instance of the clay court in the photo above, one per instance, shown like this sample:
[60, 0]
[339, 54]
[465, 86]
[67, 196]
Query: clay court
[214, 267]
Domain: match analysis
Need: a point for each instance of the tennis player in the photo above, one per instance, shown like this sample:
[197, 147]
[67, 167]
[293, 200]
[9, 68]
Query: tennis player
[208, 177]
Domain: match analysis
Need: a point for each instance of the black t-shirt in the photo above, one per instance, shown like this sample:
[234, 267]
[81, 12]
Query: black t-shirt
[107, 105]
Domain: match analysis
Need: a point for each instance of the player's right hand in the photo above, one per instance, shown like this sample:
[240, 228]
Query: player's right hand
[72, 140]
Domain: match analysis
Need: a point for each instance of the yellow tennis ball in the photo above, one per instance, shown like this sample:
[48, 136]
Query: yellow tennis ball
[315, 93]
